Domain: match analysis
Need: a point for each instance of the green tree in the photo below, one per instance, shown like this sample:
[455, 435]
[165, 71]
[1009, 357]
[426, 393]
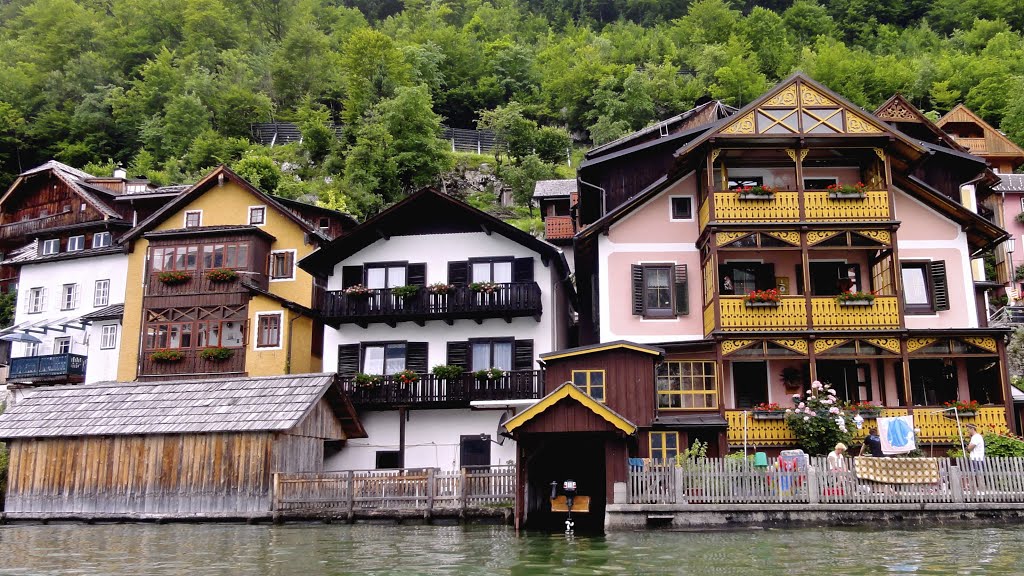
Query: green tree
[259, 170]
[511, 127]
[419, 154]
[317, 132]
[522, 178]
[372, 68]
[806, 20]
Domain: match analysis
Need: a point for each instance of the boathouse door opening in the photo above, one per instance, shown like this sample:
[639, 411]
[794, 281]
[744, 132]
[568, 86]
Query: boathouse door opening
[556, 457]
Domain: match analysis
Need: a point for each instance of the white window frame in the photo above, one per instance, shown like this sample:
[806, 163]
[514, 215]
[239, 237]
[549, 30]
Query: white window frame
[184, 220]
[693, 208]
[65, 304]
[76, 243]
[108, 338]
[264, 208]
[32, 348]
[58, 342]
[105, 235]
[51, 246]
[270, 266]
[280, 330]
[36, 300]
[96, 302]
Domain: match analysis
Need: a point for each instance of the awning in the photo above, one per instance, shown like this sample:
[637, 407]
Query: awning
[569, 392]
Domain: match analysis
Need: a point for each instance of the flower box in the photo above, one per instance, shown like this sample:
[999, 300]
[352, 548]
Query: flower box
[847, 195]
[750, 196]
[856, 302]
[173, 278]
[769, 415]
[358, 291]
[962, 414]
[216, 354]
[870, 414]
[167, 356]
[222, 275]
[761, 304]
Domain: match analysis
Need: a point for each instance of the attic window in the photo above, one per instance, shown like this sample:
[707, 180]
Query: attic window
[193, 219]
[325, 222]
[663, 129]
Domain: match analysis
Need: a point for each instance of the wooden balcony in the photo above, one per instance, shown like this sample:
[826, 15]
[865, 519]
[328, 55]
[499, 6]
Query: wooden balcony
[26, 227]
[50, 368]
[791, 314]
[191, 365]
[785, 207]
[975, 145]
[819, 207]
[935, 426]
[433, 392]
[510, 300]
[200, 284]
[558, 228]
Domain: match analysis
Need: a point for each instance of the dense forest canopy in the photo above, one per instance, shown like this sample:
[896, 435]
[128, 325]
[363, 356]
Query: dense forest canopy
[168, 88]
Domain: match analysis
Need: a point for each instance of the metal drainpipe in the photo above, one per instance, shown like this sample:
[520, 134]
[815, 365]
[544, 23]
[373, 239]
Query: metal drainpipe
[288, 349]
[604, 194]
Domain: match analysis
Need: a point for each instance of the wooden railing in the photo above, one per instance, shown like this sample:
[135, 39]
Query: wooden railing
[49, 365]
[828, 314]
[193, 364]
[431, 390]
[199, 283]
[819, 206]
[936, 425]
[726, 481]
[558, 228]
[24, 227]
[791, 314]
[783, 207]
[512, 299]
[427, 490]
[974, 145]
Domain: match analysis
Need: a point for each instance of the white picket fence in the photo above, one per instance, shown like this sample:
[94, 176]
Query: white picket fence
[722, 481]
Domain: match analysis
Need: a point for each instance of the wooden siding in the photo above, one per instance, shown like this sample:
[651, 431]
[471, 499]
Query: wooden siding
[567, 415]
[320, 423]
[226, 474]
[629, 380]
[192, 364]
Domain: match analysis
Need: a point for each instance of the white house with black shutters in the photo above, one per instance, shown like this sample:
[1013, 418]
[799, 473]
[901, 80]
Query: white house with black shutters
[432, 282]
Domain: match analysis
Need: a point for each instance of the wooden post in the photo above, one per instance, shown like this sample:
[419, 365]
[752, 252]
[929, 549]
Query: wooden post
[680, 495]
[956, 486]
[351, 505]
[276, 498]
[462, 494]
[813, 493]
[431, 489]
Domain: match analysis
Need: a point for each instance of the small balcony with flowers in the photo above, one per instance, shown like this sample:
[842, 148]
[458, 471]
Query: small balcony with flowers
[759, 185]
[760, 281]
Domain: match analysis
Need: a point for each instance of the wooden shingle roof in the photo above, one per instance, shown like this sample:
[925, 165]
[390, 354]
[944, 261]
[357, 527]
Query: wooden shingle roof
[274, 403]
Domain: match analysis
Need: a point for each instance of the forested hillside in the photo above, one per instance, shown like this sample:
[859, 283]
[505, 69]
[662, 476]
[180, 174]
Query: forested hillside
[169, 88]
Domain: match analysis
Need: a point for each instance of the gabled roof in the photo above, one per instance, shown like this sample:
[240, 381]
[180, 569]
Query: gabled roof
[799, 107]
[112, 312]
[209, 181]
[997, 144]
[275, 403]
[74, 179]
[571, 392]
[554, 188]
[702, 114]
[898, 110]
[427, 212]
[603, 347]
[1010, 183]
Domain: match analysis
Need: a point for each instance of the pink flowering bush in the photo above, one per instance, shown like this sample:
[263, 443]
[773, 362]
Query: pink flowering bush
[818, 420]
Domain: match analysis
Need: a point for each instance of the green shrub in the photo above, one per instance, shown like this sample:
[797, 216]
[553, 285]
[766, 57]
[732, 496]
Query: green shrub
[216, 354]
[447, 372]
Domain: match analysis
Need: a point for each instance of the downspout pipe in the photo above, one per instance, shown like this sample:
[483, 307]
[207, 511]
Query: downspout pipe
[288, 346]
[604, 193]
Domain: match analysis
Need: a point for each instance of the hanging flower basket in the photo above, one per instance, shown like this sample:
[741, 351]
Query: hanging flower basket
[762, 299]
[847, 191]
[216, 354]
[964, 409]
[167, 356]
[368, 380]
[489, 374]
[222, 275]
[440, 288]
[405, 291]
[358, 291]
[407, 377]
[484, 287]
[769, 411]
[855, 298]
[173, 278]
[756, 193]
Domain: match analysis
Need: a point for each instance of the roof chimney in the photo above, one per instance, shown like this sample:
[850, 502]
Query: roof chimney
[120, 172]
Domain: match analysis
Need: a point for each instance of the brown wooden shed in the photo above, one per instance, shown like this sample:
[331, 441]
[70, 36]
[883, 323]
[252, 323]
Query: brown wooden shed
[178, 449]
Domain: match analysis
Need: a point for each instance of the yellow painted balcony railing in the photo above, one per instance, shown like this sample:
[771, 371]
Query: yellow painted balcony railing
[819, 207]
[784, 207]
[934, 426]
[703, 215]
[790, 314]
[882, 314]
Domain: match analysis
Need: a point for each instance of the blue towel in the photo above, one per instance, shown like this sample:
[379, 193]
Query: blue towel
[636, 462]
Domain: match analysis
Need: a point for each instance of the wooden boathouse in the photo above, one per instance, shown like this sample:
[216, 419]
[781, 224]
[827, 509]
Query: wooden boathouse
[170, 450]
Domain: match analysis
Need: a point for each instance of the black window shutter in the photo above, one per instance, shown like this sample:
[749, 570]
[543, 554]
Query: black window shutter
[524, 355]
[416, 274]
[351, 275]
[799, 288]
[458, 273]
[416, 357]
[457, 354]
[638, 290]
[348, 359]
[940, 290]
[522, 270]
[682, 291]
[765, 279]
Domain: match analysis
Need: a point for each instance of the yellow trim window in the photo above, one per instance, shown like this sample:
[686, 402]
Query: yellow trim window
[687, 385]
[664, 446]
[591, 382]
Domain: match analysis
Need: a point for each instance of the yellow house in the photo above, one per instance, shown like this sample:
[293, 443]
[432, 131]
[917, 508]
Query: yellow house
[219, 292]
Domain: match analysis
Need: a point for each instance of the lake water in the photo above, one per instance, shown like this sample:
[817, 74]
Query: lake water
[318, 549]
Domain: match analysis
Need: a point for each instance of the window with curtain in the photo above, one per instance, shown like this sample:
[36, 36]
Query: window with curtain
[497, 271]
[384, 359]
[385, 276]
[492, 354]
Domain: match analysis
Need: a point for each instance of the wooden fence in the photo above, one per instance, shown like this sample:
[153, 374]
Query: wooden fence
[426, 490]
[721, 481]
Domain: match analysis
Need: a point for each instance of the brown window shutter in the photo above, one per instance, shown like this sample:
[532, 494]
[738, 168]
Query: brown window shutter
[940, 289]
[416, 357]
[458, 353]
[416, 274]
[682, 292]
[522, 269]
[638, 290]
[524, 355]
[348, 360]
[458, 273]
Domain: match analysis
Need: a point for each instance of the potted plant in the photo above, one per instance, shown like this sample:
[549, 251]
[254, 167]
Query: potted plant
[756, 192]
[222, 275]
[407, 377]
[447, 372]
[358, 291]
[855, 298]
[367, 380]
[1020, 218]
[964, 409]
[216, 354]
[762, 298]
[484, 287]
[769, 411]
[173, 277]
[167, 356]
[406, 291]
[440, 288]
[1018, 274]
[865, 409]
[847, 191]
[791, 378]
[489, 374]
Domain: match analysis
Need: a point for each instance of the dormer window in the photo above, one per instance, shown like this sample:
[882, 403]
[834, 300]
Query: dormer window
[51, 247]
[76, 243]
[257, 215]
[101, 240]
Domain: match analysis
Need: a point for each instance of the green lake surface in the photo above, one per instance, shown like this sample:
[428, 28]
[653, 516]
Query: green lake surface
[335, 549]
